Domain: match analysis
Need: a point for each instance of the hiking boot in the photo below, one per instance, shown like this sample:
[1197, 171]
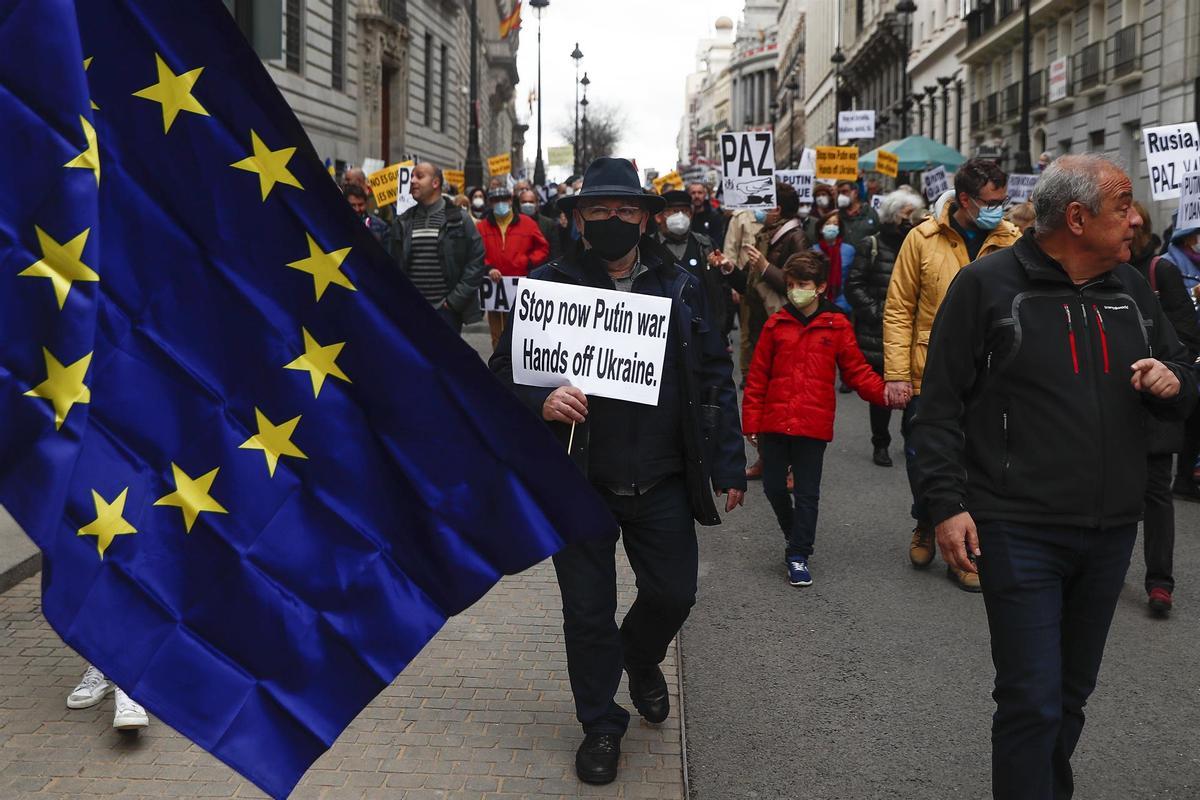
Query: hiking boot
[921, 551]
[881, 457]
[967, 581]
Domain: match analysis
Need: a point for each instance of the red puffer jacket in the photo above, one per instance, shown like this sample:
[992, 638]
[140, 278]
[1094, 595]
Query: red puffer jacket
[520, 248]
[790, 388]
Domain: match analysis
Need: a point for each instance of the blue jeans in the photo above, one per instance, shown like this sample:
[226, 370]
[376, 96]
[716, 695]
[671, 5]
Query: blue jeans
[1050, 594]
[919, 512]
[797, 512]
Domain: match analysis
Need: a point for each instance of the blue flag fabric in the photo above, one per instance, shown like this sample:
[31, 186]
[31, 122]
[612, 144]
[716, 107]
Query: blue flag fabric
[262, 471]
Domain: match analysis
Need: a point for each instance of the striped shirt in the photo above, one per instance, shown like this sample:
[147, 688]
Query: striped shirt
[424, 259]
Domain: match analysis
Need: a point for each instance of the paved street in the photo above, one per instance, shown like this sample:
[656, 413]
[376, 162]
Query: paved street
[875, 682]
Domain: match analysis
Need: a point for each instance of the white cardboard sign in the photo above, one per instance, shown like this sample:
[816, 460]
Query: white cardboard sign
[748, 169]
[1189, 202]
[876, 201]
[808, 160]
[498, 295]
[1059, 86]
[1020, 187]
[605, 342]
[799, 179]
[856, 125]
[1171, 152]
[934, 182]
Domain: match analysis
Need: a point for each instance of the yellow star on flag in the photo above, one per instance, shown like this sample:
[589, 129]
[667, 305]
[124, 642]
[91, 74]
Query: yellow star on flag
[173, 91]
[63, 386]
[109, 522]
[87, 62]
[271, 165]
[90, 157]
[326, 268]
[192, 496]
[273, 440]
[319, 361]
[61, 263]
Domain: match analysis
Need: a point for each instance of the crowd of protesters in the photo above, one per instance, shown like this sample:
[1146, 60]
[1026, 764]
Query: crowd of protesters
[1045, 392]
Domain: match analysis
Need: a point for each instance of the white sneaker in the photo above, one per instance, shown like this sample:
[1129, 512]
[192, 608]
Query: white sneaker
[129, 715]
[92, 688]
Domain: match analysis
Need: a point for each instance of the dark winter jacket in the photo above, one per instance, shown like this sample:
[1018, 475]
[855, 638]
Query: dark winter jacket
[1027, 413]
[711, 223]
[867, 289]
[695, 261]
[461, 248]
[707, 432]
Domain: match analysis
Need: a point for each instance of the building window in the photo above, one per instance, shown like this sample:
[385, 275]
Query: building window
[337, 69]
[243, 15]
[293, 31]
[443, 87]
[859, 14]
[428, 80]
[1096, 141]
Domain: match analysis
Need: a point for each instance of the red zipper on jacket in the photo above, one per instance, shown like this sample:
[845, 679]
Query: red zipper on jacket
[1103, 336]
[1071, 338]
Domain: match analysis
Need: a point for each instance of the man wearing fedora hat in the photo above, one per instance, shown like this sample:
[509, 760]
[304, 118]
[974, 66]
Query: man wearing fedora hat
[656, 466]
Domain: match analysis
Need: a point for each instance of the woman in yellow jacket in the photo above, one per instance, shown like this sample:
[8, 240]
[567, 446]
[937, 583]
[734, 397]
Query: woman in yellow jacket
[967, 228]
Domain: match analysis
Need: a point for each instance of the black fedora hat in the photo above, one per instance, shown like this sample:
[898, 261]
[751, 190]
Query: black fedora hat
[612, 177]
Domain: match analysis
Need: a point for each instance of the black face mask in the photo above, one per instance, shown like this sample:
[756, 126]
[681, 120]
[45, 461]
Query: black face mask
[611, 238]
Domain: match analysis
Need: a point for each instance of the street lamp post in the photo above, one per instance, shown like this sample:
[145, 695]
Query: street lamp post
[793, 87]
[473, 168]
[539, 167]
[945, 83]
[576, 54]
[837, 59]
[905, 8]
[1024, 156]
[583, 131]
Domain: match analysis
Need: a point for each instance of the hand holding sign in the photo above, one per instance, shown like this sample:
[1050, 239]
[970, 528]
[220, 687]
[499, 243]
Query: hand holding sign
[565, 404]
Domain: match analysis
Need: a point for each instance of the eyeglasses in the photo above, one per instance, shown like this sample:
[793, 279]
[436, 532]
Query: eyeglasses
[992, 206]
[601, 213]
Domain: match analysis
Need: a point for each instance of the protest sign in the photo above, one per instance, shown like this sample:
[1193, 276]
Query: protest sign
[876, 201]
[605, 342]
[837, 163]
[887, 163]
[800, 180]
[497, 295]
[934, 182]
[671, 180]
[500, 165]
[455, 177]
[1171, 151]
[856, 125]
[562, 156]
[370, 165]
[808, 160]
[1059, 86]
[1189, 202]
[1020, 187]
[748, 169]
[386, 184]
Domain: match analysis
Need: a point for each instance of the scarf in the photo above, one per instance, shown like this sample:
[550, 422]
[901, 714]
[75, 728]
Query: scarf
[833, 251]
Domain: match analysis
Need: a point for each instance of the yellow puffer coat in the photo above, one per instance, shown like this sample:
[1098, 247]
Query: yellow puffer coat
[932, 254]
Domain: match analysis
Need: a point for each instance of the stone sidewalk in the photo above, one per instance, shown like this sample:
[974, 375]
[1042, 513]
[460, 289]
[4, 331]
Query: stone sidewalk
[484, 712]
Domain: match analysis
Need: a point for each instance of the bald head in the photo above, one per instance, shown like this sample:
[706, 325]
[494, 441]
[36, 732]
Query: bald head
[355, 177]
[426, 183]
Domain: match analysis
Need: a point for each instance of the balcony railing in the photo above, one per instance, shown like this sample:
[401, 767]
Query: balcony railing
[988, 15]
[1125, 51]
[395, 9]
[993, 108]
[1005, 7]
[1012, 100]
[1089, 66]
[1037, 89]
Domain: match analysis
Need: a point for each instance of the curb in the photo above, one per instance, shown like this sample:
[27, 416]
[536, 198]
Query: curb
[23, 569]
[683, 757]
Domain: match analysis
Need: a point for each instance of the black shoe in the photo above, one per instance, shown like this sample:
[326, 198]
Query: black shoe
[648, 690]
[1185, 489]
[881, 457]
[596, 759]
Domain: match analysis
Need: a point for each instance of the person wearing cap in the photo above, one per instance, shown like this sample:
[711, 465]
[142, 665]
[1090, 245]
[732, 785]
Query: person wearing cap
[657, 467]
[512, 243]
[694, 252]
[438, 247]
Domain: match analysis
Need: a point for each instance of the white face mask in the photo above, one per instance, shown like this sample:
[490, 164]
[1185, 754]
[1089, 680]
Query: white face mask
[823, 200]
[843, 201]
[528, 209]
[477, 202]
[678, 223]
[803, 211]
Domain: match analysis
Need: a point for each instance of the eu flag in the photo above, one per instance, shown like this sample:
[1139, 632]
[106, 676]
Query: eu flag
[262, 472]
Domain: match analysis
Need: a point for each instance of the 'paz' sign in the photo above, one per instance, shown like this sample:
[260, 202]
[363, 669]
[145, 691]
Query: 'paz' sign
[605, 342]
[497, 295]
[1171, 151]
[748, 169]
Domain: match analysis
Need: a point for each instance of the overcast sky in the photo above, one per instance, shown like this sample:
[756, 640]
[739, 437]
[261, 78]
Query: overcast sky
[637, 54]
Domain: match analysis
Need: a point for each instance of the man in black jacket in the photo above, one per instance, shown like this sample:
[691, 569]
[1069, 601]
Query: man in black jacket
[706, 219]
[1044, 361]
[656, 466]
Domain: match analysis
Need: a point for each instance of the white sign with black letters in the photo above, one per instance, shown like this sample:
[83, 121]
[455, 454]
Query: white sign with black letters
[934, 182]
[800, 180]
[1171, 152]
[497, 295]
[1020, 187]
[856, 125]
[605, 342]
[1189, 202]
[748, 169]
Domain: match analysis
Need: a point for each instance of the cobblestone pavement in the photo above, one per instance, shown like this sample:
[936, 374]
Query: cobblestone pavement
[484, 712]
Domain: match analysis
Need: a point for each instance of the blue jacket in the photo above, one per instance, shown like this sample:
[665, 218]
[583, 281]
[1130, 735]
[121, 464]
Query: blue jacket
[1187, 268]
[847, 261]
[713, 454]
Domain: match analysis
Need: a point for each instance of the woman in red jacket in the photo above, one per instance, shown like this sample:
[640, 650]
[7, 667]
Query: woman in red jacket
[790, 400]
[512, 243]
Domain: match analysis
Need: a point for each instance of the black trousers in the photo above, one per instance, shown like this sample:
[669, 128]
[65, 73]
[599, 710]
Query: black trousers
[881, 418]
[1191, 448]
[1158, 525]
[1050, 594]
[660, 540]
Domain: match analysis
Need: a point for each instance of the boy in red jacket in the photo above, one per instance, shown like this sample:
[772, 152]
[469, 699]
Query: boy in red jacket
[790, 400]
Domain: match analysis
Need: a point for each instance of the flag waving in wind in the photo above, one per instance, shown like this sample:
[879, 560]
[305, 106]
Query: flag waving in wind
[261, 470]
[512, 22]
